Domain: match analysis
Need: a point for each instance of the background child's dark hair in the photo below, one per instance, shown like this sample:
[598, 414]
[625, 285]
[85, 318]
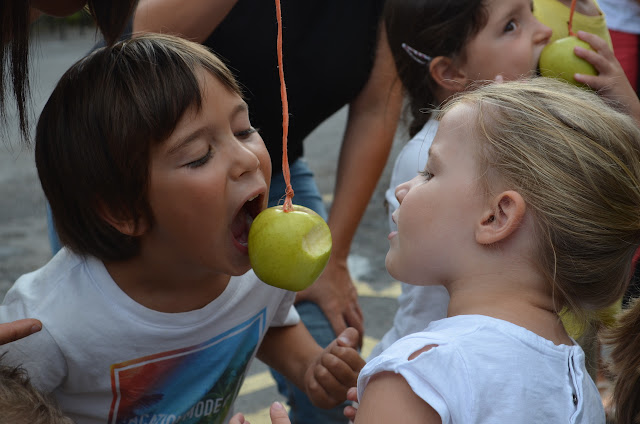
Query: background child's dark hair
[21, 403]
[95, 134]
[435, 28]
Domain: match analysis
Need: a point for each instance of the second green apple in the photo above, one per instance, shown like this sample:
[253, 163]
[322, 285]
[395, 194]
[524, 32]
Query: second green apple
[558, 60]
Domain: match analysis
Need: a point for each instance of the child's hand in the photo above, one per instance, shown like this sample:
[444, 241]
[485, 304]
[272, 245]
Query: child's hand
[351, 410]
[277, 413]
[334, 371]
[611, 82]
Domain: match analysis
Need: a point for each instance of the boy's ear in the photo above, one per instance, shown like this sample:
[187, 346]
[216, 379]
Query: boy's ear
[126, 225]
[502, 218]
[447, 74]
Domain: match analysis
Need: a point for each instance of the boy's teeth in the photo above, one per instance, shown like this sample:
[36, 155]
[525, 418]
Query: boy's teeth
[253, 198]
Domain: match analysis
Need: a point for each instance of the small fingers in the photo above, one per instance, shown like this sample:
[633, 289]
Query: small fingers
[12, 331]
[238, 419]
[278, 414]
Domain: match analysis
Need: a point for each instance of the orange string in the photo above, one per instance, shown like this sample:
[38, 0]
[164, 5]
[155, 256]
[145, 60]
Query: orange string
[573, 9]
[288, 203]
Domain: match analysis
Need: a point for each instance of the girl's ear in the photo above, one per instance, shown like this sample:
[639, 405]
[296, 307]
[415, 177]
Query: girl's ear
[126, 225]
[446, 74]
[502, 218]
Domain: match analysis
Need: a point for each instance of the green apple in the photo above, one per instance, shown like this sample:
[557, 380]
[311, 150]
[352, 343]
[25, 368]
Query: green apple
[289, 250]
[558, 60]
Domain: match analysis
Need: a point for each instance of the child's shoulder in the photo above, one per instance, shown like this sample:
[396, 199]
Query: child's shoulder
[37, 286]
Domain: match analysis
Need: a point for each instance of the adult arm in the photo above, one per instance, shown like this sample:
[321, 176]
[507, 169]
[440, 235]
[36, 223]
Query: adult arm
[368, 138]
[193, 19]
[12, 331]
[324, 375]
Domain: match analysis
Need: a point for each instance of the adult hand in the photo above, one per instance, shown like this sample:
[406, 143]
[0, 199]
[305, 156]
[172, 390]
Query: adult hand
[335, 293]
[611, 81]
[335, 371]
[12, 331]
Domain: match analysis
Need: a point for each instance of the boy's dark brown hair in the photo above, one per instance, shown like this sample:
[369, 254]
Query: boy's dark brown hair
[111, 17]
[94, 136]
[21, 403]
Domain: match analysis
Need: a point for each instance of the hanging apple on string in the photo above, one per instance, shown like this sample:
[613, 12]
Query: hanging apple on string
[558, 59]
[289, 245]
[289, 249]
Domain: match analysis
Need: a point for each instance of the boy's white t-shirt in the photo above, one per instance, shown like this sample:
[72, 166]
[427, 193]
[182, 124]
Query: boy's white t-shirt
[108, 359]
[486, 370]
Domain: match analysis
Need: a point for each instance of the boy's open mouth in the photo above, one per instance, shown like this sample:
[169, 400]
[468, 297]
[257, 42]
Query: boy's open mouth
[244, 218]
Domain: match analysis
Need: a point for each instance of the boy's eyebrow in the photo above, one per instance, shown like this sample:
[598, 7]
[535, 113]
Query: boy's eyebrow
[239, 108]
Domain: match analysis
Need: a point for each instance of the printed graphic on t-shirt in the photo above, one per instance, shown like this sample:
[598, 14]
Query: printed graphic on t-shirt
[197, 384]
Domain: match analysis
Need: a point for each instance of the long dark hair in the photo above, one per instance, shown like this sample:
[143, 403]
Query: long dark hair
[110, 16]
[436, 28]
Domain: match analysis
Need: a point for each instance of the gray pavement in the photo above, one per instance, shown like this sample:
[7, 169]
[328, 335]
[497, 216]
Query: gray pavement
[23, 230]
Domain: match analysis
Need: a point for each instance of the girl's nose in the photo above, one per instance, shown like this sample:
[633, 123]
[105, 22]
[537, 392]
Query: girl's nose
[403, 189]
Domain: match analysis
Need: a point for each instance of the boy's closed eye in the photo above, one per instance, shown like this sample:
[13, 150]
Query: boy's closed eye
[202, 160]
[246, 133]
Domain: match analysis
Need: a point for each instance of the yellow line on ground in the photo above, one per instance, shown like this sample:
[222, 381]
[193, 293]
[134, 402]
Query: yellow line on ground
[365, 290]
[256, 382]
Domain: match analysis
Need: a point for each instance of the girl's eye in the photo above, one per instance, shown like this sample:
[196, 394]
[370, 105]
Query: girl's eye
[246, 133]
[511, 26]
[199, 162]
[426, 174]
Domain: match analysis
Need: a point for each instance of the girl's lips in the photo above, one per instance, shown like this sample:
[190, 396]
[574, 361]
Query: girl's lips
[392, 234]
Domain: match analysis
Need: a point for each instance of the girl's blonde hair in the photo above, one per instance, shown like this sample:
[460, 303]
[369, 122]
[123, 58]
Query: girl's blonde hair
[576, 162]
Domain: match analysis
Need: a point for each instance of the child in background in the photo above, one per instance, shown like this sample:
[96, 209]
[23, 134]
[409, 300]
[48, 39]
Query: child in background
[528, 204]
[441, 48]
[151, 313]
[21, 403]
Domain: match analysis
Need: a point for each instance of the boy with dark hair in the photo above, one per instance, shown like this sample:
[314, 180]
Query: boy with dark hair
[151, 313]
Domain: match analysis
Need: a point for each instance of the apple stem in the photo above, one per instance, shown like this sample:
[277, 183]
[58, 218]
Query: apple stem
[571, 11]
[288, 203]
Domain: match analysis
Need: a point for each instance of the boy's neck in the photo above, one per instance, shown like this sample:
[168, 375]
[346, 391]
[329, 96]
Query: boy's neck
[162, 290]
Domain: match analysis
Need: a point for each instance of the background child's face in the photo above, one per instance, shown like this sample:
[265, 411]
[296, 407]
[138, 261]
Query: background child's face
[202, 180]
[510, 43]
[439, 209]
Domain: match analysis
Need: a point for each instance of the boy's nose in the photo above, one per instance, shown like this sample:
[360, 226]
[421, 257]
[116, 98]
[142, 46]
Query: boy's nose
[244, 160]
